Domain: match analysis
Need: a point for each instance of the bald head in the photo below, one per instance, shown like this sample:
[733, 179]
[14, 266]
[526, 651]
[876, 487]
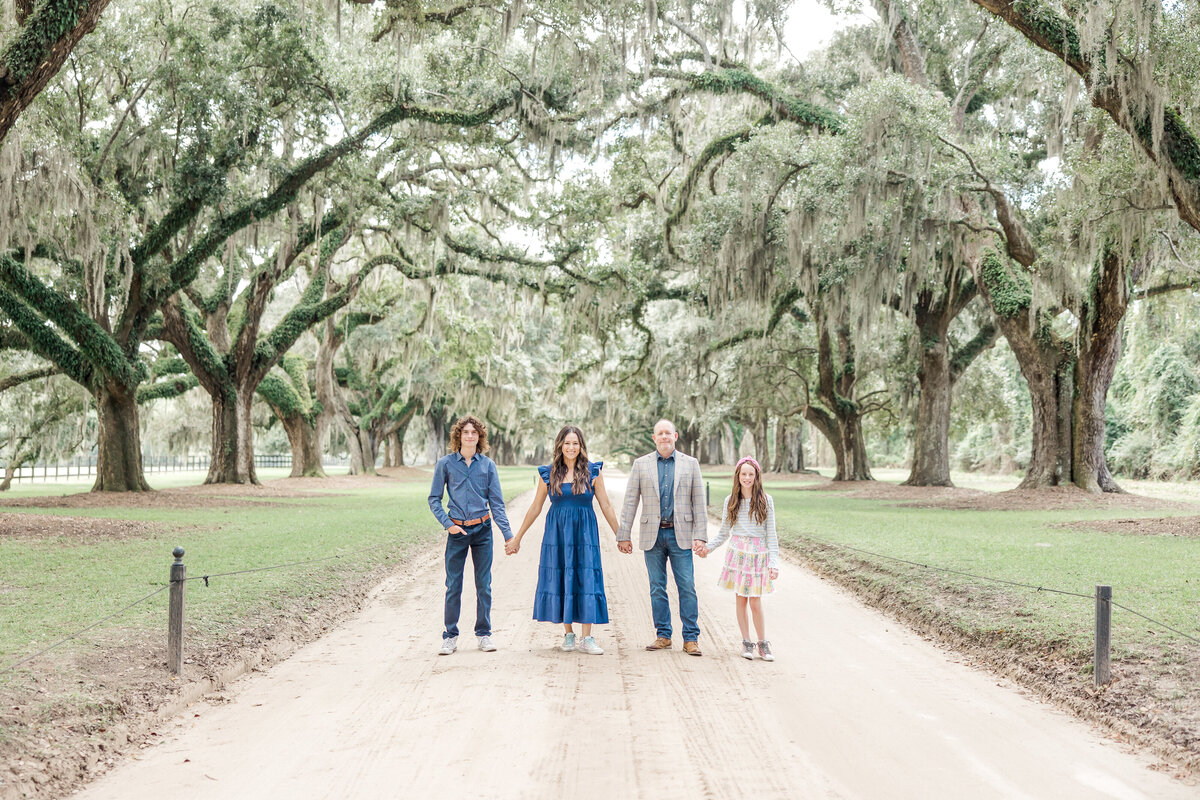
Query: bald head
[664, 437]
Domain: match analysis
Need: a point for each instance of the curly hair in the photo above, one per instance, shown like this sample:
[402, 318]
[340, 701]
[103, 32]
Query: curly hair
[456, 433]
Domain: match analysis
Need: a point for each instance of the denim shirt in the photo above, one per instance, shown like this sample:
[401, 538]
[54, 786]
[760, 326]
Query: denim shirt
[666, 487]
[474, 491]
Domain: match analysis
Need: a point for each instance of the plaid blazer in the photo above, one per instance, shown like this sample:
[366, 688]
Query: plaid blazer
[691, 515]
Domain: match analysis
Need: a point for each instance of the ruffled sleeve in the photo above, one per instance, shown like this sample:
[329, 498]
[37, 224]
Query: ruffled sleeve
[545, 473]
[594, 468]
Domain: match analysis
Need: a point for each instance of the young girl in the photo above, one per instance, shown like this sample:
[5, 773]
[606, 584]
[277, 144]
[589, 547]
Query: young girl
[752, 561]
[570, 585]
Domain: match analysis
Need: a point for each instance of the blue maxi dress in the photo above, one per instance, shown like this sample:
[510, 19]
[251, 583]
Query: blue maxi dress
[570, 584]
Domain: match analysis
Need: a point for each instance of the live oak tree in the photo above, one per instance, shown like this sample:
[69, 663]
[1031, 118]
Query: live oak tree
[175, 162]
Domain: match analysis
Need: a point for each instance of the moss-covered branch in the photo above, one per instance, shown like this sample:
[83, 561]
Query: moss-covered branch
[1121, 90]
[283, 398]
[185, 269]
[163, 390]
[740, 81]
[715, 148]
[963, 356]
[42, 340]
[784, 304]
[1009, 293]
[39, 49]
[91, 342]
[27, 376]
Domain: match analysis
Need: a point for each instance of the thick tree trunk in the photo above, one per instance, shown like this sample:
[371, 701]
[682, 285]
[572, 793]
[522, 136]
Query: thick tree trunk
[399, 434]
[369, 445]
[333, 403]
[1044, 360]
[796, 450]
[435, 442]
[762, 449]
[827, 426]
[843, 421]
[119, 441]
[931, 440]
[232, 438]
[222, 467]
[782, 449]
[394, 456]
[712, 449]
[1099, 349]
[306, 448]
[856, 447]
[1069, 393]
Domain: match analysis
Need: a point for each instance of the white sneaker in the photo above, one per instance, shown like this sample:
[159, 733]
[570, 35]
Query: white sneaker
[589, 646]
[485, 644]
[568, 642]
[449, 645]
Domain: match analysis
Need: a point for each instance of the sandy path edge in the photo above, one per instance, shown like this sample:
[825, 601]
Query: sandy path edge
[855, 707]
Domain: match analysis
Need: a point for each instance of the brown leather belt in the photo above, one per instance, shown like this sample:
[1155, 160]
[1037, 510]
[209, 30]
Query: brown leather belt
[466, 522]
[666, 524]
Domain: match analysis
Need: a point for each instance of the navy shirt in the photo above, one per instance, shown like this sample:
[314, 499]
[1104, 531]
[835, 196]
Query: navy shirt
[474, 491]
[666, 487]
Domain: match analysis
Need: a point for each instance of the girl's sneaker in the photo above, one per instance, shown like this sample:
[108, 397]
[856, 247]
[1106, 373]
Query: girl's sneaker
[568, 643]
[747, 650]
[589, 646]
[764, 651]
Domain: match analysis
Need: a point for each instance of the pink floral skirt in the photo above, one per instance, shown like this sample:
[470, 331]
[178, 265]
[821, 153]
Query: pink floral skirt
[745, 570]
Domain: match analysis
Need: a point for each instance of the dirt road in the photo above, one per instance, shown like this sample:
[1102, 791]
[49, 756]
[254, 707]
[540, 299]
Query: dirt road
[854, 707]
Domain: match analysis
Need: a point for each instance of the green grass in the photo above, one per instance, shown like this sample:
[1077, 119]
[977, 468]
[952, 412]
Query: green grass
[1156, 575]
[52, 587]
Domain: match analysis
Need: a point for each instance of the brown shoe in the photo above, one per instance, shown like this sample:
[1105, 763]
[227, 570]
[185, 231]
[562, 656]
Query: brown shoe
[659, 644]
[692, 648]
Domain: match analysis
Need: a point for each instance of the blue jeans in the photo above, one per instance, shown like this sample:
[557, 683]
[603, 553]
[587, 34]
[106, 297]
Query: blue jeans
[477, 539]
[665, 549]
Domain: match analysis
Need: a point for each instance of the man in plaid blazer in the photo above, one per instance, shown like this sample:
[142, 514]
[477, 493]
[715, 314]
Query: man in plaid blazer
[674, 521]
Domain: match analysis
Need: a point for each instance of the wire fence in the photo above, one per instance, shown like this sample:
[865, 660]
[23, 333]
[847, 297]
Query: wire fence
[167, 585]
[208, 577]
[85, 466]
[1004, 581]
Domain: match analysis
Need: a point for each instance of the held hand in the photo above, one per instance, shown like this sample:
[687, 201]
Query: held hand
[456, 530]
[700, 549]
[625, 547]
[774, 574]
[512, 546]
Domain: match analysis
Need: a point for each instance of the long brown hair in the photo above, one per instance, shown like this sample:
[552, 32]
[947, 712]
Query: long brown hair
[758, 498]
[456, 433]
[558, 465]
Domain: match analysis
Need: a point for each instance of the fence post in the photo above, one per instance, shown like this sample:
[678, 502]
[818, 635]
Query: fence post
[175, 615]
[1103, 665]
[707, 501]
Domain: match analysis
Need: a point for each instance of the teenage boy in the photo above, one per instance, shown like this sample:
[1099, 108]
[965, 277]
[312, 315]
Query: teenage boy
[475, 499]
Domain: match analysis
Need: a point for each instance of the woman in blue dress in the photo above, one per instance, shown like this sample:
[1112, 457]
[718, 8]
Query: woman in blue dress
[570, 587]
